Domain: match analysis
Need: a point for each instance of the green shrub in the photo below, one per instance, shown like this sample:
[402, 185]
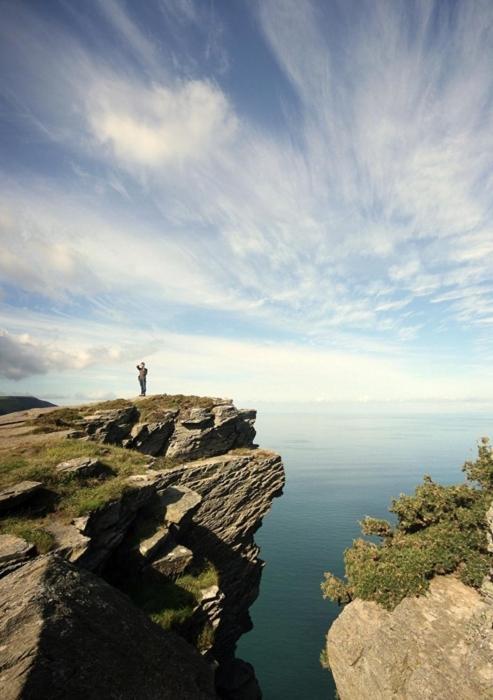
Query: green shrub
[439, 530]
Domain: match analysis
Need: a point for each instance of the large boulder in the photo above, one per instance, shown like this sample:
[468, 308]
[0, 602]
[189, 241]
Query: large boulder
[206, 433]
[111, 426]
[152, 438]
[67, 634]
[433, 647]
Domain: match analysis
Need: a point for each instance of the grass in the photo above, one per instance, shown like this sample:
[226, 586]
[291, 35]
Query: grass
[439, 530]
[59, 419]
[171, 603]
[154, 408]
[30, 530]
[151, 409]
[72, 496]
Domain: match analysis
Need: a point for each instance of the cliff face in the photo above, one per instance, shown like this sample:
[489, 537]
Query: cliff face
[437, 646]
[179, 537]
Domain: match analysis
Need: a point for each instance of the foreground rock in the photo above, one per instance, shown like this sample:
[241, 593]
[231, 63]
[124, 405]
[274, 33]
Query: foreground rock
[438, 646]
[67, 634]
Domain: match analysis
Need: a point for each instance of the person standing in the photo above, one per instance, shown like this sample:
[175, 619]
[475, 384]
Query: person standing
[142, 378]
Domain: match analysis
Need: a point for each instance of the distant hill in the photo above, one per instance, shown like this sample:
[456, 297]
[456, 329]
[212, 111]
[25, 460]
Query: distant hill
[9, 404]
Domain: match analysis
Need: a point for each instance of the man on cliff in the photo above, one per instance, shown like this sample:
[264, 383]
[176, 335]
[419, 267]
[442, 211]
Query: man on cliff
[142, 378]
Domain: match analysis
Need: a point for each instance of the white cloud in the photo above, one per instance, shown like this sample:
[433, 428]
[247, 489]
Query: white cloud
[158, 125]
[23, 356]
[347, 223]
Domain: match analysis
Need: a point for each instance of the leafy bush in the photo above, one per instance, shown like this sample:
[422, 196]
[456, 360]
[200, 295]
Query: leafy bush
[440, 530]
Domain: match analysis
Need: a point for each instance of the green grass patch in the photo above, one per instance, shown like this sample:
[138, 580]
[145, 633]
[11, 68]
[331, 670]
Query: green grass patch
[74, 496]
[30, 530]
[171, 603]
[154, 408]
[59, 419]
[439, 530]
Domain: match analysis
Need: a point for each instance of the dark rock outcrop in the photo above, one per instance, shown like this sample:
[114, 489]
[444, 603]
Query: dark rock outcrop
[67, 634]
[193, 434]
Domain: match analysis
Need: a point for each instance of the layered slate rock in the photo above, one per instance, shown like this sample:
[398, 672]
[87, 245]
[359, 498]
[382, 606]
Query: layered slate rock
[152, 438]
[19, 494]
[67, 634]
[70, 543]
[81, 467]
[237, 492]
[211, 432]
[174, 561]
[434, 647]
[111, 426]
[180, 435]
[14, 552]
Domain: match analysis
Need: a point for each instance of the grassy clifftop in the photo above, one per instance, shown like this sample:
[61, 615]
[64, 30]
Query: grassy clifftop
[32, 452]
[439, 530]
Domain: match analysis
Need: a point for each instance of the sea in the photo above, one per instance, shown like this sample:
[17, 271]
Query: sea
[339, 468]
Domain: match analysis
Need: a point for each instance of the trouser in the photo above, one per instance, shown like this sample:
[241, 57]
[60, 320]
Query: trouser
[142, 382]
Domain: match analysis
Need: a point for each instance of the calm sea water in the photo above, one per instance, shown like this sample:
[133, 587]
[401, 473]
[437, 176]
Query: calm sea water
[338, 468]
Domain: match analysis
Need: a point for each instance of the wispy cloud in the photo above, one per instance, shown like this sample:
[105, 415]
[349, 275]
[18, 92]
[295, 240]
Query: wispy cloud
[362, 218]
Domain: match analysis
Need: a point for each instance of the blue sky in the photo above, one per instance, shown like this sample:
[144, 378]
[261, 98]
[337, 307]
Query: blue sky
[275, 201]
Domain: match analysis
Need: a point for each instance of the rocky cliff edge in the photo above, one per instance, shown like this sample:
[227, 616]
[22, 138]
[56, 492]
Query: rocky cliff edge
[161, 499]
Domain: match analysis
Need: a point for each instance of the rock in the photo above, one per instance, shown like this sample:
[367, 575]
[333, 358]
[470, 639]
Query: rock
[180, 503]
[14, 552]
[152, 438]
[70, 543]
[108, 526]
[174, 562]
[14, 496]
[111, 426]
[211, 603]
[76, 435]
[237, 491]
[150, 545]
[81, 467]
[67, 634]
[205, 433]
[236, 680]
[437, 646]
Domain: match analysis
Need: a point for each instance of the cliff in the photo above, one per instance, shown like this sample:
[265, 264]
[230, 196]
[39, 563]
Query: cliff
[420, 621]
[438, 646]
[161, 499]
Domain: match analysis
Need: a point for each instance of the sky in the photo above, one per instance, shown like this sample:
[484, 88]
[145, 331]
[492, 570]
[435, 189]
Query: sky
[267, 200]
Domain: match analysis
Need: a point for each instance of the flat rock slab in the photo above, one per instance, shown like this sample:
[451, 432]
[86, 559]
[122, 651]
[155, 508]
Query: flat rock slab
[148, 546]
[70, 543]
[179, 502]
[14, 552]
[174, 562]
[22, 492]
[81, 467]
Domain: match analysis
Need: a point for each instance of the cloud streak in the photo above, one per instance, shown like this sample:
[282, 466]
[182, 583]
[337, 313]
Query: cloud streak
[360, 219]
